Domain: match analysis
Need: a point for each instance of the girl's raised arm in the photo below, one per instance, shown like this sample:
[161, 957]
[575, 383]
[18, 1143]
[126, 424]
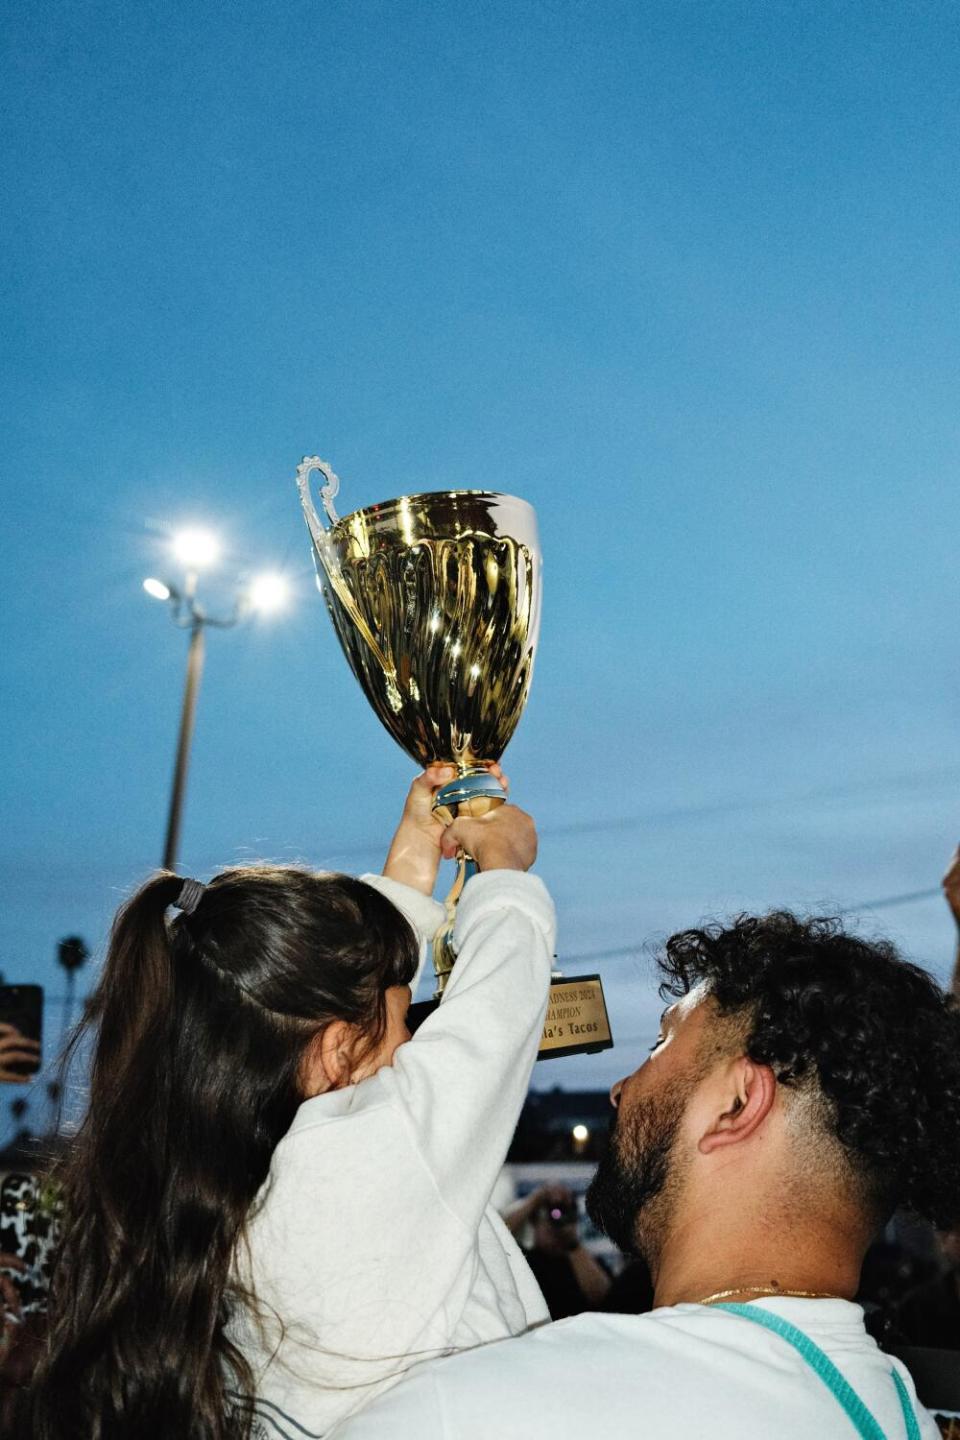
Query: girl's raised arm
[462, 1080]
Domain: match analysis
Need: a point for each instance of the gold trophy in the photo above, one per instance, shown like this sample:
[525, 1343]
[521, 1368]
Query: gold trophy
[435, 599]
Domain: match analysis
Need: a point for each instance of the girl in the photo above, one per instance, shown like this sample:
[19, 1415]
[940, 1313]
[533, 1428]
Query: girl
[276, 1204]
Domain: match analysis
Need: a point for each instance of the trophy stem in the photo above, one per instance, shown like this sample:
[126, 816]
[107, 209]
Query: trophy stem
[474, 792]
[443, 952]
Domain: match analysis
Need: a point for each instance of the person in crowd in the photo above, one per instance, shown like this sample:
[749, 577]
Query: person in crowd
[11, 1307]
[930, 1314]
[570, 1278]
[22, 1331]
[951, 890]
[805, 1083]
[632, 1290]
[276, 1204]
[29, 1237]
[900, 1259]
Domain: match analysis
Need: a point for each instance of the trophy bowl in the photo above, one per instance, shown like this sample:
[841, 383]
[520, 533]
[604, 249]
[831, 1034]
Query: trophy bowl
[435, 599]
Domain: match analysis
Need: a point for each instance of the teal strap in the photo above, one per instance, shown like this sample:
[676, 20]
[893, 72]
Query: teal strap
[909, 1414]
[824, 1367]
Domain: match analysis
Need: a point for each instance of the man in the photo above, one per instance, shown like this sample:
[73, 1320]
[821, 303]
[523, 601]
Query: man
[804, 1085]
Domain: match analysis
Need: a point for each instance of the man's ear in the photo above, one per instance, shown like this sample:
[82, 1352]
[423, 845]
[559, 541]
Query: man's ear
[328, 1058]
[750, 1091]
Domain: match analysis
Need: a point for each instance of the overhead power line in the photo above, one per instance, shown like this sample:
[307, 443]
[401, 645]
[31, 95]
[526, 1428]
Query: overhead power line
[877, 790]
[885, 902]
[889, 900]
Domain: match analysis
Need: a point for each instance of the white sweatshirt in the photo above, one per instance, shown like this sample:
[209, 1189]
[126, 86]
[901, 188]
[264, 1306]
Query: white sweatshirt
[373, 1240]
[678, 1372]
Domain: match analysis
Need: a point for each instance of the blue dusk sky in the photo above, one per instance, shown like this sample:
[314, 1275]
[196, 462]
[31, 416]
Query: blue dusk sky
[682, 273]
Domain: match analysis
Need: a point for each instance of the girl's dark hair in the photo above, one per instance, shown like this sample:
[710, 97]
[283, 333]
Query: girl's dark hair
[876, 1033]
[201, 1024]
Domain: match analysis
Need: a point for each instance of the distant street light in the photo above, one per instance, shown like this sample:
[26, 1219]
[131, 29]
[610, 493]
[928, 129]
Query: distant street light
[197, 550]
[580, 1134]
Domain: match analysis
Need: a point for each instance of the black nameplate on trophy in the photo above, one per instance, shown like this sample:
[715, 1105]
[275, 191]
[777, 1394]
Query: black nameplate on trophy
[576, 1023]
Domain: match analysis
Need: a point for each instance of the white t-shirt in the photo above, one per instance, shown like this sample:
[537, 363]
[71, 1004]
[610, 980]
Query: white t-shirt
[373, 1240]
[681, 1371]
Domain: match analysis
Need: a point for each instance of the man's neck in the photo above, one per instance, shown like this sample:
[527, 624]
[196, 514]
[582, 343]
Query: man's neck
[746, 1259]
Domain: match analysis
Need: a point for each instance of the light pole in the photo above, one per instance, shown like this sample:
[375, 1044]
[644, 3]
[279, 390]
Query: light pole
[195, 657]
[196, 550]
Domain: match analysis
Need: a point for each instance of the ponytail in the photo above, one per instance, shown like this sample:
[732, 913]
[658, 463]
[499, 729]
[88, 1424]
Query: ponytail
[132, 1009]
[200, 1025]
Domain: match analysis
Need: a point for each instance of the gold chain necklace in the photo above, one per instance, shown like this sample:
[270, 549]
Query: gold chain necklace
[766, 1290]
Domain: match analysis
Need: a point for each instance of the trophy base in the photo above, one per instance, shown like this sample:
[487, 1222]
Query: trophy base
[576, 1022]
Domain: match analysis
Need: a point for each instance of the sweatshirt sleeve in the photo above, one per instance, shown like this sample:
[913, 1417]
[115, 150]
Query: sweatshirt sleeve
[425, 915]
[462, 1079]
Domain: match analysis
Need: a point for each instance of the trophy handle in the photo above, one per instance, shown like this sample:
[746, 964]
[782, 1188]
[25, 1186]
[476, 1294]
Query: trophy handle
[324, 550]
[307, 465]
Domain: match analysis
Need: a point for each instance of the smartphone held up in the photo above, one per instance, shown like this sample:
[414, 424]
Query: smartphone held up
[21, 1032]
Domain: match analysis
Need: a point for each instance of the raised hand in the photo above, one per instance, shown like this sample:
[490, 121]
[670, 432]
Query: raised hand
[504, 839]
[415, 851]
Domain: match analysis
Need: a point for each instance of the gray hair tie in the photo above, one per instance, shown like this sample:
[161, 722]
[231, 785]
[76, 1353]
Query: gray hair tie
[191, 893]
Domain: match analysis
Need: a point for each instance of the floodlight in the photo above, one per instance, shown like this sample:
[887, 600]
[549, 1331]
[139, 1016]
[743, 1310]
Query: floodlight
[268, 594]
[196, 549]
[156, 588]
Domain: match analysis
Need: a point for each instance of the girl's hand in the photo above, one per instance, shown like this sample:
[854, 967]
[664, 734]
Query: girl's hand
[415, 852]
[503, 839]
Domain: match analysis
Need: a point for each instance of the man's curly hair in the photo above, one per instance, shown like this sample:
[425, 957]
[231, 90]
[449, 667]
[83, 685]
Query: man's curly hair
[877, 1034]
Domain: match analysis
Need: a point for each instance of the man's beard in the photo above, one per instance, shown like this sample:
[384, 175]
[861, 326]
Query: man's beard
[631, 1195]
